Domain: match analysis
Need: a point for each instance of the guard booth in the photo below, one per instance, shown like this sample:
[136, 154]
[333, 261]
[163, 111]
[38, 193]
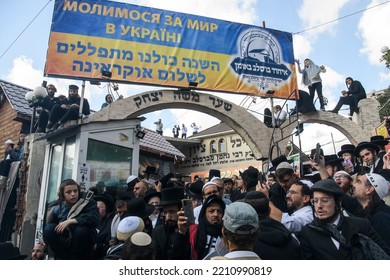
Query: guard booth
[88, 153]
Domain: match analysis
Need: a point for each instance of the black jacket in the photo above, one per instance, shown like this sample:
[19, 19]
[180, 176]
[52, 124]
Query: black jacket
[318, 245]
[275, 242]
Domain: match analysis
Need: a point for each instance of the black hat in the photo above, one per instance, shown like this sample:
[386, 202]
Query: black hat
[365, 145]
[214, 173]
[138, 207]
[151, 170]
[107, 199]
[211, 199]
[333, 160]
[227, 180]
[328, 186]
[151, 193]
[171, 196]
[74, 87]
[347, 148]
[276, 161]
[255, 195]
[196, 188]
[379, 140]
[9, 252]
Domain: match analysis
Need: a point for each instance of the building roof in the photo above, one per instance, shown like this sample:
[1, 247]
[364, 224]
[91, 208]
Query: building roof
[155, 143]
[15, 95]
[219, 128]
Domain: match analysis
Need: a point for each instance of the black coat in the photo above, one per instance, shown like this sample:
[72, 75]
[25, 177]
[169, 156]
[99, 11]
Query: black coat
[318, 245]
[163, 244]
[275, 242]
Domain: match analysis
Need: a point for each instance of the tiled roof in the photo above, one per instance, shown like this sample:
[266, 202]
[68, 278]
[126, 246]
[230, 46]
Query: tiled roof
[155, 143]
[16, 97]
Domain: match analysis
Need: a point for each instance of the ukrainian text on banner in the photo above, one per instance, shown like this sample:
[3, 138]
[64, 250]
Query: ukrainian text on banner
[158, 47]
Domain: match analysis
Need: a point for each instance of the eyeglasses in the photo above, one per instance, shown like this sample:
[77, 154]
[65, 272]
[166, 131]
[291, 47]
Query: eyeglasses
[339, 177]
[322, 200]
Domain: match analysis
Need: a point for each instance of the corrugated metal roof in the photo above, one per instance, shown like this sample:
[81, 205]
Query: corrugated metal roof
[16, 97]
[155, 143]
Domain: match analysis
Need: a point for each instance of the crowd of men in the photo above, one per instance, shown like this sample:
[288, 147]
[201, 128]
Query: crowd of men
[336, 210]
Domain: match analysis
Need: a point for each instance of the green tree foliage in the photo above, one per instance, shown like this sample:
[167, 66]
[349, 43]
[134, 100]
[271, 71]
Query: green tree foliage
[384, 101]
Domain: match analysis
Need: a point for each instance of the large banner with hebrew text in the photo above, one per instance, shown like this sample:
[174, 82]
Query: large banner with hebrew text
[96, 40]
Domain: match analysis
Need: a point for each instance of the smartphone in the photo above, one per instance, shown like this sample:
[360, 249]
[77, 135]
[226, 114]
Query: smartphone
[188, 211]
[317, 158]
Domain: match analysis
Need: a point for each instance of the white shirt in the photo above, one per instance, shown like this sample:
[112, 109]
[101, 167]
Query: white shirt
[297, 220]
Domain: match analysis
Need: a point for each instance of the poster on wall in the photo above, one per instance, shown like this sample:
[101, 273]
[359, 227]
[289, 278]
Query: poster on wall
[125, 43]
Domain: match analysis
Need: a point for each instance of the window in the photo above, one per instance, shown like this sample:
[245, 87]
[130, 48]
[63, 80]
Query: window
[221, 146]
[213, 147]
[108, 161]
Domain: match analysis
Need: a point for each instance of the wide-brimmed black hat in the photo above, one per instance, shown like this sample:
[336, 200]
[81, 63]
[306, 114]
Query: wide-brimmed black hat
[379, 140]
[346, 148]
[9, 252]
[107, 199]
[332, 160]
[151, 193]
[138, 207]
[214, 173]
[171, 196]
[365, 145]
[328, 186]
[276, 161]
[151, 170]
[195, 188]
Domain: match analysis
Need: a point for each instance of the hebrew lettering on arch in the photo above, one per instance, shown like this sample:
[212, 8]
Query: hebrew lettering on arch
[195, 96]
[145, 96]
[176, 94]
[227, 106]
[155, 96]
[233, 141]
[213, 99]
[137, 101]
